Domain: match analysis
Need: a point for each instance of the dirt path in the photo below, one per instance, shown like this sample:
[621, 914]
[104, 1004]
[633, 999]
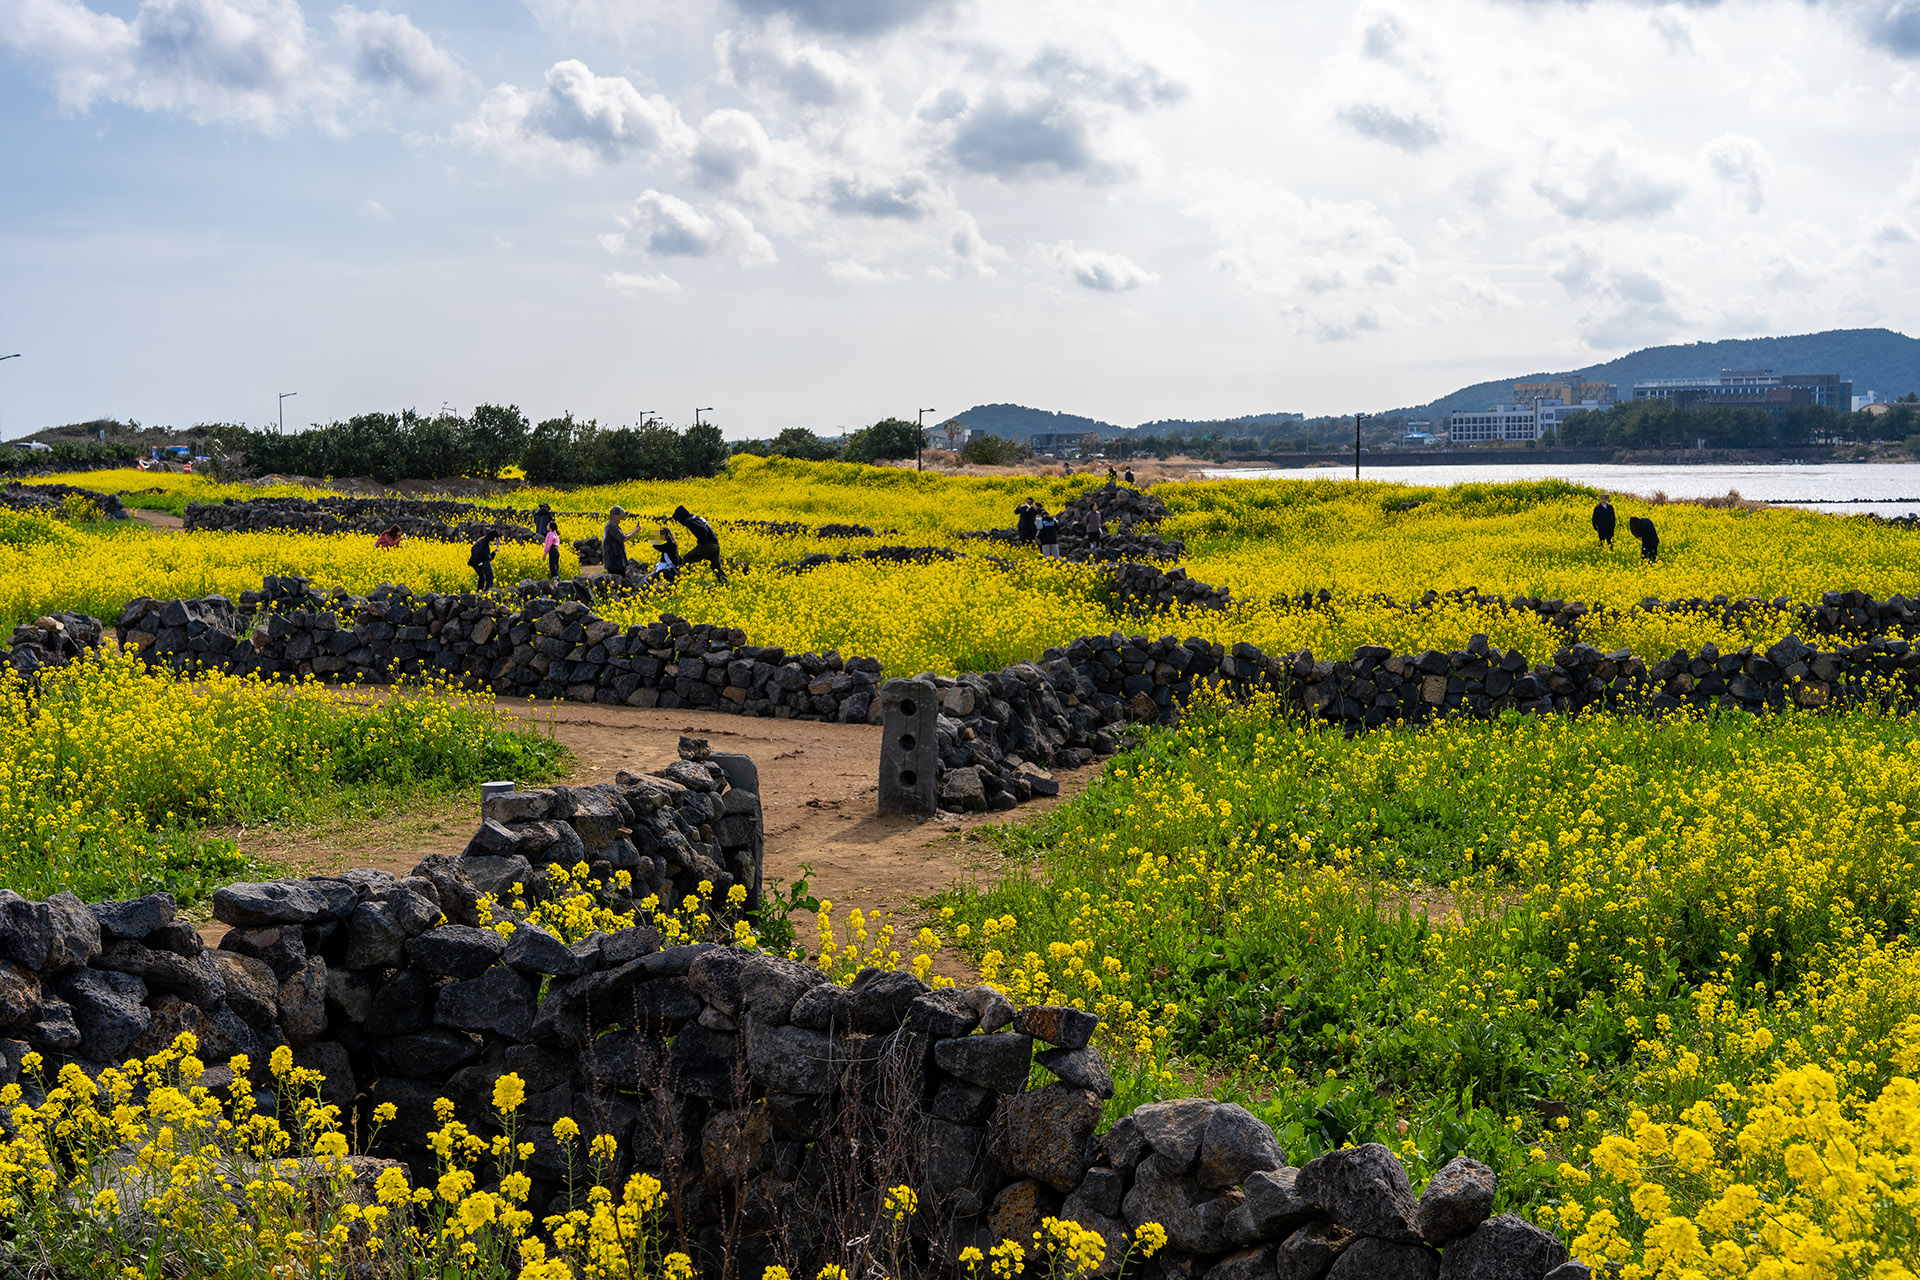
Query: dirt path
[818, 789]
[158, 521]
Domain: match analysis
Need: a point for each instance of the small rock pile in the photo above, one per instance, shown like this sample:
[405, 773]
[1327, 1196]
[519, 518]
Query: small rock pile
[437, 520]
[1212, 1174]
[1127, 516]
[1143, 589]
[46, 498]
[53, 641]
[873, 555]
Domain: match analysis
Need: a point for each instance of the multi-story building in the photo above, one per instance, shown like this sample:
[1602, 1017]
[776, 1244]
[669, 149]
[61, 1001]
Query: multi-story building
[1527, 421]
[1567, 391]
[1497, 422]
[1751, 389]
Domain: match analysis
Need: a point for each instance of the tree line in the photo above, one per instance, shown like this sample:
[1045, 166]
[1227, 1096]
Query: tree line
[557, 451]
[1659, 424]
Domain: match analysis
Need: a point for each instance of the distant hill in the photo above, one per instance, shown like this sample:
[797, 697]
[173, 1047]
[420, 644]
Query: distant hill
[1875, 359]
[1245, 420]
[1017, 422]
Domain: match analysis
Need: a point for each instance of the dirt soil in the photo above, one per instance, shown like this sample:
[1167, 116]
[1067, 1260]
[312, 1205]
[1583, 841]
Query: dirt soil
[818, 788]
[158, 521]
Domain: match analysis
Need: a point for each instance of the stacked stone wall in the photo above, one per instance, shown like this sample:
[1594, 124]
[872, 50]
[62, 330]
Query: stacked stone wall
[776, 1106]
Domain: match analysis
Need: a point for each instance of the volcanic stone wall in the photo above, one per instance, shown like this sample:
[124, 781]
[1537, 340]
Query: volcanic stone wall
[775, 1106]
[999, 732]
[52, 641]
[441, 521]
[545, 646]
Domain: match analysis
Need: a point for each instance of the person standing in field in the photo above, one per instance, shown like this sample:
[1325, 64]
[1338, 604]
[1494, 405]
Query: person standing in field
[1048, 532]
[1603, 523]
[542, 520]
[1129, 475]
[1024, 524]
[706, 543]
[1095, 527]
[613, 544]
[480, 560]
[389, 537]
[552, 544]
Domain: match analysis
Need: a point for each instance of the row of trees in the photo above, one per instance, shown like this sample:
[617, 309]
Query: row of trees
[413, 446]
[1658, 424]
[887, 440]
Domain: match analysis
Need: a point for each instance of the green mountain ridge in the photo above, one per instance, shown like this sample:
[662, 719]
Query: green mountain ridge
[1874, 359]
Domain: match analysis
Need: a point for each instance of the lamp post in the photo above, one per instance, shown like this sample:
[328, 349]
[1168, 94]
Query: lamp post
[644, 414]
[1358, 418]
[283, 409]
[14, 356]
[919, 434]
[698, 412]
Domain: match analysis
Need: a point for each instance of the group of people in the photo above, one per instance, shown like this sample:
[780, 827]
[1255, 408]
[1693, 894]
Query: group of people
[1639, 526]
[1034, 525]
[668, 562]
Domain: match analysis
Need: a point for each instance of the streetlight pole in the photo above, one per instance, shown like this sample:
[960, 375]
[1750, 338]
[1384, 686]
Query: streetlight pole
[14, 356]
[698, 412]
[283, 409]
[644, 413]
[919, 434]
[1358, 418]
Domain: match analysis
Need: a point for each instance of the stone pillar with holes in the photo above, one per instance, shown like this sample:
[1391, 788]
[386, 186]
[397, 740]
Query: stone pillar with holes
[909, 748]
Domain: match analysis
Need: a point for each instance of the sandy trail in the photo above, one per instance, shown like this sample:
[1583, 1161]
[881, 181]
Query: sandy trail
[818, 788]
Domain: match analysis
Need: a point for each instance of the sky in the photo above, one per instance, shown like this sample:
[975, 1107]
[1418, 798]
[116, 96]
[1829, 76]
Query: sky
[819, 213]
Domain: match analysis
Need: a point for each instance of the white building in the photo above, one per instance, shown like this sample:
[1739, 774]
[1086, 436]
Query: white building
[1515, 421]
[1498, 422]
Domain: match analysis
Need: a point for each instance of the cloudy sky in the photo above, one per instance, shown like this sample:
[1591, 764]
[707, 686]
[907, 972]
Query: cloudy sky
[821, 212]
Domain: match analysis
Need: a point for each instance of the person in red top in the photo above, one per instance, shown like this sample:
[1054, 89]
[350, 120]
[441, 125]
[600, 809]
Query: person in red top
[389, 537]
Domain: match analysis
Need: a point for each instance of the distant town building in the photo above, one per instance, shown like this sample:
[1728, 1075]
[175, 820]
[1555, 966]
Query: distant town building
[1751, 389]
[1527, 421]
[1567, 391]
[1496, 422]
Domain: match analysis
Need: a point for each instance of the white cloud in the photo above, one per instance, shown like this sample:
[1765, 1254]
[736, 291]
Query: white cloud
[1608, 186]
[1626, 288]
[846, 17]
[634, 282]
[1407, 130]
[387, 49]
[577, 119]
[847, 271]
[668, 227]
[242, 62]
[1336, 268]
[1101, 271]
[1743, 166]
[375, 210]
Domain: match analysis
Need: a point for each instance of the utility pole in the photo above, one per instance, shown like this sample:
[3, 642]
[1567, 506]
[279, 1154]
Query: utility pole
[698, 412]
[644, 415]
[919, 434]
[1358, 418]
[10, 357]
[283, 409]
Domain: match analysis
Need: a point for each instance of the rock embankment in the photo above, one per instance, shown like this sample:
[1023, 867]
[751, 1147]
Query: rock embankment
[776, 1106]
[437, 520]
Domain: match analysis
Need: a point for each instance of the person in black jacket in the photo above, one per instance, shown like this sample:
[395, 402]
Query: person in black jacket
[667, 566]
[1603, 523]
[1026, 524]
[542, 521]
[1642, 528]
[613, 544]
[480, 560]
[706, 543]
[1048, 531]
